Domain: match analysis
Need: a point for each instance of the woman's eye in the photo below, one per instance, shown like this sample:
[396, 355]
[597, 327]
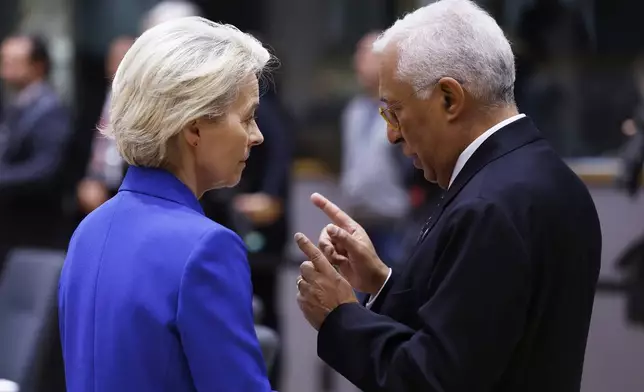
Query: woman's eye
[251, 119]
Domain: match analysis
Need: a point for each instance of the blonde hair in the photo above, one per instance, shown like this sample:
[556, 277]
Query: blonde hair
[175, 73]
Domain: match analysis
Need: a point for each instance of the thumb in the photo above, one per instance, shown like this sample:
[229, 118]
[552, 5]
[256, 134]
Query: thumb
[342, 237]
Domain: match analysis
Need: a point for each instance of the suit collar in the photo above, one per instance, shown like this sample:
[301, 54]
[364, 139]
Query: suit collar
[471, 149]
[159, 183]
[507, 139]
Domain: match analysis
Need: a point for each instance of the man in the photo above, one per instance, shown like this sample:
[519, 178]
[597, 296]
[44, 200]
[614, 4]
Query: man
[371, 178]
[498, 294]
[106, 167]
[34, 135]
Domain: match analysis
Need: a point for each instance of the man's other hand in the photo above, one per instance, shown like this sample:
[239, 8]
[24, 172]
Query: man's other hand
[321, 289]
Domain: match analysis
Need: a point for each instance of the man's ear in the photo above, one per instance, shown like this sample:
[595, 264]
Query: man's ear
[453, 96]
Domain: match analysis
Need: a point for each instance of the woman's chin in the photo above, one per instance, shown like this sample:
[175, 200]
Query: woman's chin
[234, 181]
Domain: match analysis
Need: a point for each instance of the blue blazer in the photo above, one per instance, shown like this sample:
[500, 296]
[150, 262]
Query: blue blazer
[156, 297]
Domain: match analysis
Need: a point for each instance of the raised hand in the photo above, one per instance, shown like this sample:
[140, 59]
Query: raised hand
[320, 287]
[347, 246]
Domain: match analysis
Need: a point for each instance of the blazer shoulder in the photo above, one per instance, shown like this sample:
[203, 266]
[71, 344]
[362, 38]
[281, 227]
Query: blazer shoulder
[218, 252]
[219, 243]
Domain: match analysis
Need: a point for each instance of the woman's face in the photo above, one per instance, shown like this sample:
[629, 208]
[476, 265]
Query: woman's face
[223, 145]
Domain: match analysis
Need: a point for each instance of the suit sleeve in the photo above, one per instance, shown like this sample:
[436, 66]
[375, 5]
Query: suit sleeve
[51, 137]
[215, 317]
[479, 293]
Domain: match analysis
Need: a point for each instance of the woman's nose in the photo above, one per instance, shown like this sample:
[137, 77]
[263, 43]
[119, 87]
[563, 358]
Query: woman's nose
[256, 137]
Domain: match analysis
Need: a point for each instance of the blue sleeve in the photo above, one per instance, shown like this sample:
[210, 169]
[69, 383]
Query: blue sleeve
[51, 135]
[215, 317]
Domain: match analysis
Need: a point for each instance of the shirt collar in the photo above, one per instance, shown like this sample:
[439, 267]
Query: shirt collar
[469, 150]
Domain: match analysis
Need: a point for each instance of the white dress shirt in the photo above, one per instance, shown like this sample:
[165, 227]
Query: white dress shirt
[460, 163]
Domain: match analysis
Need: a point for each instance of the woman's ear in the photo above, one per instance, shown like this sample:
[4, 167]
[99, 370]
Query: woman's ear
[191, 133]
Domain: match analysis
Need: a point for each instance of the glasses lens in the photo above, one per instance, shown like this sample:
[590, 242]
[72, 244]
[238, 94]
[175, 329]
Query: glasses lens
[391, 118]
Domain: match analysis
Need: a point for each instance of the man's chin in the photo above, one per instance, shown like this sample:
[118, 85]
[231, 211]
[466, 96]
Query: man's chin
[430, 176]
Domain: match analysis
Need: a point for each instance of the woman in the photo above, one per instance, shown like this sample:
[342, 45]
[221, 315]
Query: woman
[153, 295]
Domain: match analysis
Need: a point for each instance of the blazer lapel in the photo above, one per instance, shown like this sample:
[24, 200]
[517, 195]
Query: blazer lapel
[511, 137]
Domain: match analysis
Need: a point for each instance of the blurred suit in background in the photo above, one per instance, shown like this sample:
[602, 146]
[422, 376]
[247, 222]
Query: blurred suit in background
[34, 135]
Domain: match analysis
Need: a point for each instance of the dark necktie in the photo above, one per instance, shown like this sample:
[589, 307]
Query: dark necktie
[428, 223]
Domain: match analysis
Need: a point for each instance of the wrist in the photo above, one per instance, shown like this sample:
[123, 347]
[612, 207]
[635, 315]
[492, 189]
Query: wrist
[379, 278]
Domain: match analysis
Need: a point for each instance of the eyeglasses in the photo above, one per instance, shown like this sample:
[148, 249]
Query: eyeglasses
[390, 116]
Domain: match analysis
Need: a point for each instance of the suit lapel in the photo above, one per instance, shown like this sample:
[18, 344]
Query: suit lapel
[509, 138]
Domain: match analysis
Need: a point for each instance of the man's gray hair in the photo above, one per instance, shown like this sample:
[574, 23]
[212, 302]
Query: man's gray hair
[457, 39]
[175, 73]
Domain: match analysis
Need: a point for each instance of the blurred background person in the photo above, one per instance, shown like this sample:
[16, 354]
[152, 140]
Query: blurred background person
[106, 168]
[34, 134]
[174, 297]
[372, 169]
[260, 207]
[632, 153]
[167, 10]
[257, 210]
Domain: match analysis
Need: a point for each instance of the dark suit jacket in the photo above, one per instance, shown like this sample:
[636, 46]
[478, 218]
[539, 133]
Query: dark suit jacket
[36, 135]
[38, 132]
[497, 296]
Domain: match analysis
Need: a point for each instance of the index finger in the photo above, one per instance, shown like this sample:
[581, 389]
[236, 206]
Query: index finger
[334, 212]
[314, 254]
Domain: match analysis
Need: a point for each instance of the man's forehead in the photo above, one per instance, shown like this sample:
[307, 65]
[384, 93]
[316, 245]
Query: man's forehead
[389, 83]
[17, 46]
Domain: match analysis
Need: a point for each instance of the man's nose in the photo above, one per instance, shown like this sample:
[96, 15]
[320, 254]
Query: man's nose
[393, 135]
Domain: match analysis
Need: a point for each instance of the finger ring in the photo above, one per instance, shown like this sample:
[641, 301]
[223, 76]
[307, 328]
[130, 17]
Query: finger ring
[299, 280]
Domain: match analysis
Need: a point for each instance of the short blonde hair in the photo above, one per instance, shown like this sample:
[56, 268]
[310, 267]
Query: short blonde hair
[175, 73]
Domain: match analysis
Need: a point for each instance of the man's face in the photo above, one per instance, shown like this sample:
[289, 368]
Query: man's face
[17, 69]
[423, 128]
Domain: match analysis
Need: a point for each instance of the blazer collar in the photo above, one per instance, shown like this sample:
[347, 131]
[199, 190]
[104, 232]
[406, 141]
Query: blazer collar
[159, 183]
[507, 139]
